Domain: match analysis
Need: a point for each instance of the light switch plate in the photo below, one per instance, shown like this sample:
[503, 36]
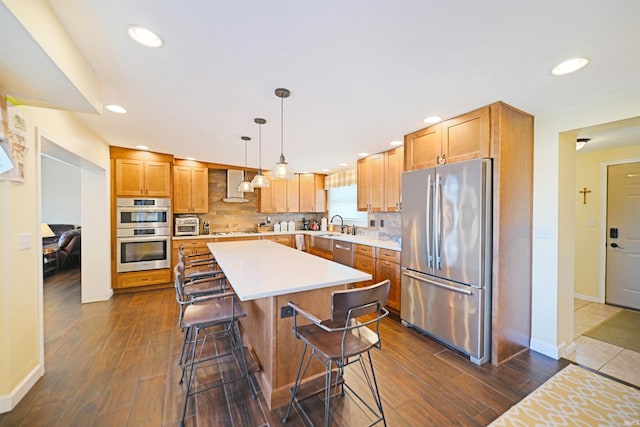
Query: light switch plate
[24, 241]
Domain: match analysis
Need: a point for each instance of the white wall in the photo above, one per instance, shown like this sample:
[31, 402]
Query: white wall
[553, 215]
[21, 315]
[60, 192]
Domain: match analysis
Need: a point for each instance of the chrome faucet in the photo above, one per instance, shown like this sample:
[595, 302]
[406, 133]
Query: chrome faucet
[341, 222]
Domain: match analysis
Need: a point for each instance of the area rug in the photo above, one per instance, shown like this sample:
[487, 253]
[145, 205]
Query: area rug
[621, 329]
[576, 397]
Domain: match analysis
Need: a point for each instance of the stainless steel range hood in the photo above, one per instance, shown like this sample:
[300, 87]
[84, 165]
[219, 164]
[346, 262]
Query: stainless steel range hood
[234, 178]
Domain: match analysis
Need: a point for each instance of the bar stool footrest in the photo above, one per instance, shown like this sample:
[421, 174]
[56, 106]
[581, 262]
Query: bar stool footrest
[315, 386]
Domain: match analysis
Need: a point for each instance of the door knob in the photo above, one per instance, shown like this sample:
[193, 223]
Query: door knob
[615, 245]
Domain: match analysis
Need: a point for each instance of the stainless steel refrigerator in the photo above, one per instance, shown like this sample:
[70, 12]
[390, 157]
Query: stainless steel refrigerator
[446, 254]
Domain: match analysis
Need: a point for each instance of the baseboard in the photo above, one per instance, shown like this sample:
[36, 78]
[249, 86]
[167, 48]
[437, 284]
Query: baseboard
[587, 298]
[566, 350]
[9, 401]
[544, 348]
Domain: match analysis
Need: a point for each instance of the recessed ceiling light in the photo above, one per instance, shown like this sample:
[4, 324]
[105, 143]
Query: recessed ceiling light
[569, 66]
[395, 143]
[145, 37]
[142, 147]
[116, 108]
[363, 154]
[190, 158]
[325, 170]
[343, 164]
[432, 119]
[305, 171]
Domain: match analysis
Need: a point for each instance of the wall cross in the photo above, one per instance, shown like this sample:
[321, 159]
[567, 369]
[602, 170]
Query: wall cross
[584, 192]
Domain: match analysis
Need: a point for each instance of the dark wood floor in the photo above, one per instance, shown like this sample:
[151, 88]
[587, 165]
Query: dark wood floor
[113, 363]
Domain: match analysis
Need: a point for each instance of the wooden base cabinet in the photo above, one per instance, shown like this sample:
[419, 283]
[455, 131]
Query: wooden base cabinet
[143, 278]
[388, 267]
[364, 260]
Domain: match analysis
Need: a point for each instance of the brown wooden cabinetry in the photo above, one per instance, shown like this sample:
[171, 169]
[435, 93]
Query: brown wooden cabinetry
[364, 260]
[190, 189]
[302, 193]
[142, 278]
[312, 193]
[393, 167]
[146, 178]
[283, 239]
[462, 138]
[371, 183]
[388, 267]
[191, 247]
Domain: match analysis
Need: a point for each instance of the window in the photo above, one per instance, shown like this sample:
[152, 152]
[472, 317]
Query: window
[343, 201]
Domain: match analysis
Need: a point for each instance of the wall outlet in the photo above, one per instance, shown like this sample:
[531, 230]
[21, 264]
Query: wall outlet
[372, 223]
[286, 311]
[382, 223]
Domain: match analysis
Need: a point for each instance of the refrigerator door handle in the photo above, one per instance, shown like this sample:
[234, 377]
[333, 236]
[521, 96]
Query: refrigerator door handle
[438, 221]
[441, 285]
[428, 221]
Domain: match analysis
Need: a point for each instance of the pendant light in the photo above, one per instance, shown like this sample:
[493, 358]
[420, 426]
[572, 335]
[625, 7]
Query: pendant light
[282, 170]
[245, 186]
[260, 181]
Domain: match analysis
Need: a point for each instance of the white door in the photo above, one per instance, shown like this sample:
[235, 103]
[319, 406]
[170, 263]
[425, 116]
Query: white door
[623, 235]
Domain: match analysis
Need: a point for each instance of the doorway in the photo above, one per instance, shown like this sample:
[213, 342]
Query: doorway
[622, 286]
[94, 218]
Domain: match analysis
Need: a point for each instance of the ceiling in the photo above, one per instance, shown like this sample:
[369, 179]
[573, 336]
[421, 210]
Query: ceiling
[361, 73]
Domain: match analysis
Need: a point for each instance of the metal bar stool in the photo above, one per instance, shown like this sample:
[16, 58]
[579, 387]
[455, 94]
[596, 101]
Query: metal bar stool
[213, 316]
[339, 342]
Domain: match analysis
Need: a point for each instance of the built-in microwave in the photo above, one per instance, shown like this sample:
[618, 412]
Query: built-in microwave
[143, 213]
[141, 249]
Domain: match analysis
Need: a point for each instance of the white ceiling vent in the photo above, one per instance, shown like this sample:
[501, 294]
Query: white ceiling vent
[234, 178]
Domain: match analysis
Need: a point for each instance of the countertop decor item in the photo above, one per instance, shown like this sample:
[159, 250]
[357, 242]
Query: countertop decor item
[245, 186]
[282, 170]
[259, 180]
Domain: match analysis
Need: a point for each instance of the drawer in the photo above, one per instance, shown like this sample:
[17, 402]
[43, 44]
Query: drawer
[388, 255]
[365, 250]
[143, 278]
[364, 263]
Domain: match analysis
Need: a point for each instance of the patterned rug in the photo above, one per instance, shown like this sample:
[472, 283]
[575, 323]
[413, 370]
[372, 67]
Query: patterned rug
[576, 397]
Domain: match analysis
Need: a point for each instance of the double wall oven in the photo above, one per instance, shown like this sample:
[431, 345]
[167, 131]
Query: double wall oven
[143, 234]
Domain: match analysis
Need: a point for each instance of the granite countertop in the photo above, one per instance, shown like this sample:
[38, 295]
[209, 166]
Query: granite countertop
[262, 268]
[363, 240]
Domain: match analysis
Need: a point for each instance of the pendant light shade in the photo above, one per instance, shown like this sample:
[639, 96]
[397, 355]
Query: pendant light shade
[245, 186]
[282, 170]
[260, 181]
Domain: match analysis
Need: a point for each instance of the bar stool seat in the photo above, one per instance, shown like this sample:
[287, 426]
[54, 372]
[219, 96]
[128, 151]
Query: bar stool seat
[213, 316]
[336, 343]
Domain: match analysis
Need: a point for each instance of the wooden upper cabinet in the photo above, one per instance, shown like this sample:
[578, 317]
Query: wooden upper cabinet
[422, 149]
[371, 183]
[467, 137]
[312, 194]
[146, 178]
[191, 189]
[274, 198]
[293, 194]
[462, 138]
[393, 166]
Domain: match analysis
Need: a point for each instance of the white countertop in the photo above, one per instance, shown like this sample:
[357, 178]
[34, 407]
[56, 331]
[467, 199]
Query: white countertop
[262, 268]
[363, 240]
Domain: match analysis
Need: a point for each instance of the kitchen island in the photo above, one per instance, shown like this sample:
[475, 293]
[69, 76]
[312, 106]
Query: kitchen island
[266, 276]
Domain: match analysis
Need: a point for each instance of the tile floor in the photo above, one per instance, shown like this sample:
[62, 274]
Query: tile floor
[607, 358]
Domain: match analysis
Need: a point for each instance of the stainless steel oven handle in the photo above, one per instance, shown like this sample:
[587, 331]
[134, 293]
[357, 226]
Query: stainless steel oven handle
[134, 239]
[441, 285]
